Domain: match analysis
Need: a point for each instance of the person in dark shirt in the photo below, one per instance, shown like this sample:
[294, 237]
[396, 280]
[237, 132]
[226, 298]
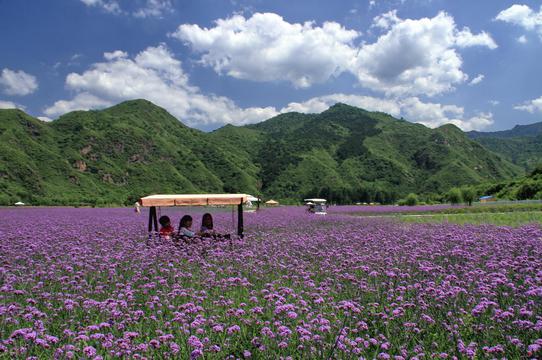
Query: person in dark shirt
[166, 230]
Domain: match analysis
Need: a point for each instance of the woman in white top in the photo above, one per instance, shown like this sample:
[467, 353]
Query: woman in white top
[184, 226]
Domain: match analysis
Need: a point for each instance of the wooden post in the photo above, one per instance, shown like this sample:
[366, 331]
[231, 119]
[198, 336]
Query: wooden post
[153, 220]
[240, 220]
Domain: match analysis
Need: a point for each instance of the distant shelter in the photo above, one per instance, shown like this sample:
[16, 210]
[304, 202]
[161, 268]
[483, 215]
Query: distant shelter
[487, 198]
[316, 206]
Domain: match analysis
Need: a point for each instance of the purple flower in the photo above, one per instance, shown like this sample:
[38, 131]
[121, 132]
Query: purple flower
[292, 314]
[533, 349]
[174, 347]
[291, 273]
[89, 351]
[196, 353]
[233, 329]
[194, 342]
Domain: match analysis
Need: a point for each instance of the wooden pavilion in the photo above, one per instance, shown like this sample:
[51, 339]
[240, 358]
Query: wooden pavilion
[154, 201]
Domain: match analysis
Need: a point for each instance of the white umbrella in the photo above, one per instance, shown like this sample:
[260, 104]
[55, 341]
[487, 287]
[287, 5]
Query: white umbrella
[252, 198]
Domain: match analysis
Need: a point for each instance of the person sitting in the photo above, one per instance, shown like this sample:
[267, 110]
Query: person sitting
[166, 230]
[185, 227]
[207, 228]
[207, 225]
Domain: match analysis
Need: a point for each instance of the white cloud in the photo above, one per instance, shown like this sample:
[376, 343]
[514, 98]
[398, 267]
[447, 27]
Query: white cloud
[45, 118]
[478, 79]
[75, 59]
[322, 103]
[17, 82]
[411, 108]
[478, 122]
[524, 16]
[265, 47]
[10, 105]
[154, 8]
[522, 39]
[115, 55]
[430, 114]
[156, 75]
[109, 6]
[532, 106]
[416, 56]
[434, 115]
[465, 38]
[494, 102]
[82, 101]
[411, 57]
[386, 20]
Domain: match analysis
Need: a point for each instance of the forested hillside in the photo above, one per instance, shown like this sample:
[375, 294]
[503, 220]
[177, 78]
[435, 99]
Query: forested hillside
[521, 145]
[345, 154]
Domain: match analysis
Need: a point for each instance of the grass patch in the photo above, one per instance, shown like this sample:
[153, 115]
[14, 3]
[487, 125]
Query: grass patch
[460, 209]
[497, 208]
[508, 218]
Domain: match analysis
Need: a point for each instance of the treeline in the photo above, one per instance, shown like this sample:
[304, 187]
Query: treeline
[454, 196]
[363, 194]
[526, 188]
[529, 187]
[112, 200]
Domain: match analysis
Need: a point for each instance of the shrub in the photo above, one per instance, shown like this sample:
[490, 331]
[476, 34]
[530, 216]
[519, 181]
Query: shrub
[454, 196]
[411, 199]
[468, 195]
[528, 190]
[5, 200]
[536, 171]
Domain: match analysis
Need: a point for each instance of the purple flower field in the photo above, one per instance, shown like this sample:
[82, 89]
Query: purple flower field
[81, 283]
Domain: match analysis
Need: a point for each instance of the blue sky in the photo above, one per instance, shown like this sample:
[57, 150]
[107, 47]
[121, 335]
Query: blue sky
[471, 63]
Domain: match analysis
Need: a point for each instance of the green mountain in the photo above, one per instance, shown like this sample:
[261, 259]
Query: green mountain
[346, 154]
[521, 145]
[350, 154]
[112, 156]
[531, 130]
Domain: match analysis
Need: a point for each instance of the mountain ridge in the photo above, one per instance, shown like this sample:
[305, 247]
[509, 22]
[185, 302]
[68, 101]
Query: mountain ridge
[135, 148]
[530, 130]
[521, 145]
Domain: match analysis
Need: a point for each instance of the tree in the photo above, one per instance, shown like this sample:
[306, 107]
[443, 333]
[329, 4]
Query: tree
[454, 196]
[468, 194]
[528, 190]
[411, 199]
[6, 200]
[537, 171]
